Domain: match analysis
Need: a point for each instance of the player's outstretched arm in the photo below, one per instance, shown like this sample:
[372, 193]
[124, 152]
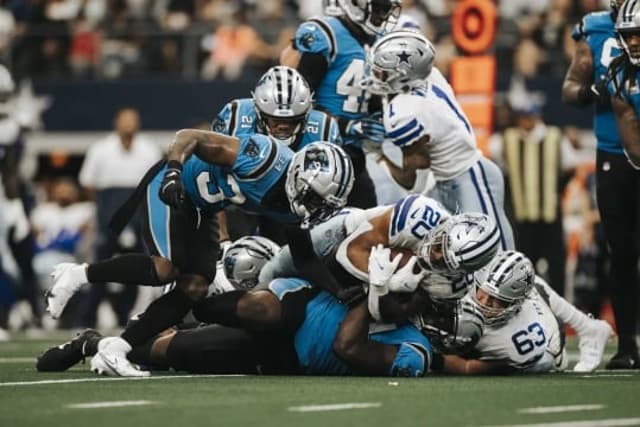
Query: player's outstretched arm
[576, 87]
[212, 147]
[457, 365]
[629, 128]
[352, 345]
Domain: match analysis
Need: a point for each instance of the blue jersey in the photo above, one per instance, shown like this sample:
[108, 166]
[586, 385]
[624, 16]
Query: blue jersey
[629, 90]
[260, 164]
[597, 29]
[314, 339]
[239, 117]
[339, 92]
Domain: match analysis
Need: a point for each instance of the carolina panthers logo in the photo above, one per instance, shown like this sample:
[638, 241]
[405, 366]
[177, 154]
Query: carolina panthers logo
[229, 265]
[218, 125]
[307, 40]
[251, 150]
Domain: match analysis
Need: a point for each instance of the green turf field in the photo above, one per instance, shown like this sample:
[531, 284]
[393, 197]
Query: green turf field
[28, 398]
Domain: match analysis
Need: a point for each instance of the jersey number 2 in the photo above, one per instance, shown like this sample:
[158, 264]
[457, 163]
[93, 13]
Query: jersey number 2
[349, 85]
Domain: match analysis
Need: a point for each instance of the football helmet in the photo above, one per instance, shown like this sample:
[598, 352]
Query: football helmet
[245, 258]
[508, 278]
[282, 100]
[375, 17]
[460, 244]
[453, 328]
[398, 61]
[319, 180]
[628, 23]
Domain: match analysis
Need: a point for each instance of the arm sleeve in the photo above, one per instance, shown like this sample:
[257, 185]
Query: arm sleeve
[313, 67]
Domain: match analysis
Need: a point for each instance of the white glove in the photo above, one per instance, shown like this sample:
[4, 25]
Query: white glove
[380, 271]
[381, 268]
[405, 280]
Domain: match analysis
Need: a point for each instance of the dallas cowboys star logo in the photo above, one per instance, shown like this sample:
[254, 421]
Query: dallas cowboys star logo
[404, 57]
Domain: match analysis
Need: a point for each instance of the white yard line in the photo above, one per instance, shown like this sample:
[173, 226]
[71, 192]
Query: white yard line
[91, 380]
[611, 422]
[113, 404]
[558, 409]
[606, 375]
[334, 407]
[17, 359]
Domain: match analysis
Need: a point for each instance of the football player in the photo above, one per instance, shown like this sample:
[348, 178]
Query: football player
[423, 118]
[617, 181]
[281, 107]
[330, 54]
[316, 335]
[521, 333]
[618, 184]
[181, 198]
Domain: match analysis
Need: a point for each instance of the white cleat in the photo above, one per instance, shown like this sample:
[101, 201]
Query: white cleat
[111, 359]
[592, 342]
[68, 277]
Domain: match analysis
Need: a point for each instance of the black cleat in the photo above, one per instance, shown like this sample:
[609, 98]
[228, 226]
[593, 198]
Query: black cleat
[624, 361]
[62, 357]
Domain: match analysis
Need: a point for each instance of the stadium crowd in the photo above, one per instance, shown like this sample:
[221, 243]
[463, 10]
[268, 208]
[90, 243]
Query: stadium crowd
[70, 221]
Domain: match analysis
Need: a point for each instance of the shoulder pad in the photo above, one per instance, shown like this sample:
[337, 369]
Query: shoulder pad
[316, 36]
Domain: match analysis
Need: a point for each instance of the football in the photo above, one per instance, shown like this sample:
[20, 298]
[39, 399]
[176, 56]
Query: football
[406, 255]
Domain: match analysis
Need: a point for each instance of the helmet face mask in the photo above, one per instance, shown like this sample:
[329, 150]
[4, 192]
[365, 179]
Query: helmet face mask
[398, 61]
[282, 101]
[245, 258]
[375, 17]
[502, 286]
[460, 244]
[628, 30]
[319, 180]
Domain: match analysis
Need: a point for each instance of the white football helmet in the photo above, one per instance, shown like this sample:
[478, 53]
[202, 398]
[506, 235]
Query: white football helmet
[627, 23]
[508, 278]
[398, 61]
[283, 100]
[460, 244]
[375, 17]
[245, 258]
[319, 180]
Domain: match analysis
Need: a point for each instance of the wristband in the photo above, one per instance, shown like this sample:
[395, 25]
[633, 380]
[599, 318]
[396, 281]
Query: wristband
[174, 165]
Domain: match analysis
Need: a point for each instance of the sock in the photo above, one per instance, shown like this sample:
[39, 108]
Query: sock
[564, 311]
[161, 314]
[221, 309]
[141, 354]
[130, 269]
[90, 346]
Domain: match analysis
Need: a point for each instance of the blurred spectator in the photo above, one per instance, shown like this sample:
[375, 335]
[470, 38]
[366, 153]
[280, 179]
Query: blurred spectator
[59, 225]
[111, 170]
[537, 160]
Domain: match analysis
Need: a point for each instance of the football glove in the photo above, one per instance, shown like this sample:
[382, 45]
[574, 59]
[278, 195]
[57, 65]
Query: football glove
[369, 128]
[380, 271]
[405, 280]
[172, 188]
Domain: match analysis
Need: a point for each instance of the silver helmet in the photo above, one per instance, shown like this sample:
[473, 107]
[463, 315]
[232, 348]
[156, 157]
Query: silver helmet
[460, 244]
[245, 258]
[319, 180]
[453, 328]
[628, 22]
[398, 61]
[508, 278]
[375, 17]
[282, 100]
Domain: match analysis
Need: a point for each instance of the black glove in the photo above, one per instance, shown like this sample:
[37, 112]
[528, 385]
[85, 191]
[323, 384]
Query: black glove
[596, 92]
[172, 189]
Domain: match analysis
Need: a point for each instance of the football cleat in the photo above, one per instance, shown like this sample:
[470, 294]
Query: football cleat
[62, 357]
[591, 343]
[68, 277]
[111, 359]
[624, 361]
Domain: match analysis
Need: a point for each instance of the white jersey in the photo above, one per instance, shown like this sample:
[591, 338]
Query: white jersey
[432, 110]
[530, 341]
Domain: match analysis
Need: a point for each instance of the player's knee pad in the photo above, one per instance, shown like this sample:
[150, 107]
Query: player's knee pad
[164, 270]
[193, 286]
